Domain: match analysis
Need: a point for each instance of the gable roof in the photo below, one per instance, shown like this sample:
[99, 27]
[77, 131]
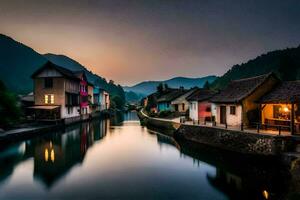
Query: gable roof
[184, 96]
[237, 90]
[65, 72]
[201, 95]
[283, 93]
[171, 95]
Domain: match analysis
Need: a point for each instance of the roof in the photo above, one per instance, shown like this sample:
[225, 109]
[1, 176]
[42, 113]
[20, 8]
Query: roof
[237, 90]
[184, 96]
[171, 95]
[283, 93]
[201, 95]
[65, 72]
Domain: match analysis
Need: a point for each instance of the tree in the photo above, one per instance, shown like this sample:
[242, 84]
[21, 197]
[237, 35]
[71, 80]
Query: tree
[160, 88]
[287, 68]
[206, 85]
[9, 111]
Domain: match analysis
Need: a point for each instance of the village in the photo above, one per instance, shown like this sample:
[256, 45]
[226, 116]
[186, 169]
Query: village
[262, 106]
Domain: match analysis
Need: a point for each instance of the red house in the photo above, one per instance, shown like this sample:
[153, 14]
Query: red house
[83, 92]
[200, 107]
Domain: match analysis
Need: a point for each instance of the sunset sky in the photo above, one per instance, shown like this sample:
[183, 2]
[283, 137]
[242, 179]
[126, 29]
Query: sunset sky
[134, 40]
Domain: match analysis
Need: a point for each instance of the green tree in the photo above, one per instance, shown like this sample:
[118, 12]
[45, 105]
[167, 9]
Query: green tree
[206, 85]
[288, 68]
[9, 111]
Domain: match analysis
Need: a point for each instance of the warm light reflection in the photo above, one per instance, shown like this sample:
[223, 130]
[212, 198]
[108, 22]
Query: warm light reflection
[46, 155]
[52, 156]
[265, 194]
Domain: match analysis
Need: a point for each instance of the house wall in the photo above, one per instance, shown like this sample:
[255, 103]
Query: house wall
[164, 106]
[202, 110]
[249, 103]
[180, 107]
[59, 89]
[193, 110]
[91, 98]
[232, 120]
[267, 112]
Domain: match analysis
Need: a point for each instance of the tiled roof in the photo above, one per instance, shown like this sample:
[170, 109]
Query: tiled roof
[237, 90]
[283, 93]
[63, 71]
[171, 95]
[201, 95]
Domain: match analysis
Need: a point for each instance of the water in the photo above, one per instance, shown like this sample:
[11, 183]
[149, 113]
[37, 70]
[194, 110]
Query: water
[99, 160]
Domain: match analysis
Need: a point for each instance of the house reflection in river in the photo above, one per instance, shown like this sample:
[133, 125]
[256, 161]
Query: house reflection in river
[54, 156]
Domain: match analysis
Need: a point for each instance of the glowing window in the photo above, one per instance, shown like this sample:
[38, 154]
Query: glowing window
[49, 98]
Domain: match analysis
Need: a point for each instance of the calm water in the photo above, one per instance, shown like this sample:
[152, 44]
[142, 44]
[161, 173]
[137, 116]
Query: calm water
[99, 160]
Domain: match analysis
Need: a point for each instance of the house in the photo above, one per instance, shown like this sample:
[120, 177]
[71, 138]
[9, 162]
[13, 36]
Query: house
[105, 100]
[83, 92]
[200, 106]
[90, 97]
[101, 99]
[150, 102]
[164, 101]
[281, 107]
[236, 105]
[181, 104]
[56, 93]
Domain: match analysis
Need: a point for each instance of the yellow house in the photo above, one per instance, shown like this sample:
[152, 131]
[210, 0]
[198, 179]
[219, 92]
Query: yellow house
[281, 108]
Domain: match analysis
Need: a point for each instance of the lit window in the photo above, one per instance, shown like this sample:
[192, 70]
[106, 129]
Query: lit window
[49, 98]
[46, 99]
[52, 99]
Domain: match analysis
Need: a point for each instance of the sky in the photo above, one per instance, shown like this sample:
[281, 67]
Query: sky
[130, 41]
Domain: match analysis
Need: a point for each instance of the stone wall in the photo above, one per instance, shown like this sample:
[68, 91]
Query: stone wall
[237, 141]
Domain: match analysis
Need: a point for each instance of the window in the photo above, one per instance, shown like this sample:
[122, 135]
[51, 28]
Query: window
[208, 109]
[232, 110]
[49, 99]
[183, 105]
[48, 83]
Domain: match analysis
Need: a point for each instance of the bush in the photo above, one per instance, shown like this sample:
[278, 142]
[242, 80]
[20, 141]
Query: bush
[165, 113]
[10, 113]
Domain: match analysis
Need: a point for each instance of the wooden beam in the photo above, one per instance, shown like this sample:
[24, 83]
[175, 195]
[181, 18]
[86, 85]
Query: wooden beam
[293, 119]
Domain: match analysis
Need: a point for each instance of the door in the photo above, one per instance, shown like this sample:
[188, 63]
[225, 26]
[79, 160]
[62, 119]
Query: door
[223, 114]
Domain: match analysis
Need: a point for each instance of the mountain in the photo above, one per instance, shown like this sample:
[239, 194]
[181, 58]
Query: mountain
[17, 63]
[62, 60]
[148, 87]
[285, 63]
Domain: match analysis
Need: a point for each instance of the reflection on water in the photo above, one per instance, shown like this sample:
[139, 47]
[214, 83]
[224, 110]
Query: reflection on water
[109, 159]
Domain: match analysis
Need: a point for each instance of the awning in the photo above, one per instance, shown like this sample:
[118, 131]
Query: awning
[44, 107]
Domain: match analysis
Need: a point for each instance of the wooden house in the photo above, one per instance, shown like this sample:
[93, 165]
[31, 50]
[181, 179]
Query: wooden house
[56, 93]
[281, 107]
[200, 106]
[236, 105]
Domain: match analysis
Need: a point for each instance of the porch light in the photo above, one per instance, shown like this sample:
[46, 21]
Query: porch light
[285, 109]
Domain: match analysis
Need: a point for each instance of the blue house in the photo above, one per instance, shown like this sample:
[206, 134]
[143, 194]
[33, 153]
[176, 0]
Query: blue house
[164, 102]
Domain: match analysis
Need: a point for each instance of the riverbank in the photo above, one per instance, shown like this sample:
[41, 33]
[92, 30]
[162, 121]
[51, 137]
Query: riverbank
[18, 134]
[232, 140]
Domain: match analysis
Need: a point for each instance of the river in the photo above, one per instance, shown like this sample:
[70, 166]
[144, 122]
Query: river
[119, 159]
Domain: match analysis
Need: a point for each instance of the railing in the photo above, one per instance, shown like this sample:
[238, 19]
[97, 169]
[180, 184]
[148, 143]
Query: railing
[279, 128]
